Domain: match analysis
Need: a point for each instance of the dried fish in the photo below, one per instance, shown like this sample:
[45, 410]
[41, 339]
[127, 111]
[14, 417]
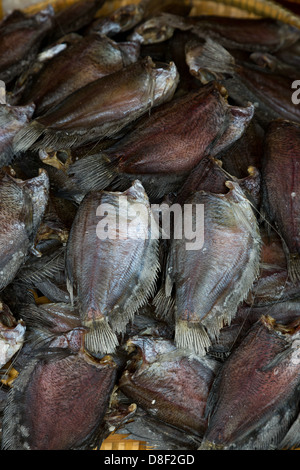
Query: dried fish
[98, 56]
[101, 108]
[113, 272]
[234, 33]
[168, 384]
[203, 277]
[47, 405]
[20, 38]
[265, 367]
[12, 334]
[12, 119]
[22, 205]
[75, 17]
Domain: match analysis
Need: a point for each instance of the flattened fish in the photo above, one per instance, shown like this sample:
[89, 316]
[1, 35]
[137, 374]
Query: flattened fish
[235, 33]
[253, 401]
[169, 384]
[58, 402]
[12, 334]
[101, 108]
[22, 205]
[281, 188]
[163, 148]
[98, 56]
[211, 278]
[75, 17]
[20, 38]
[270, 91]
[113, 271]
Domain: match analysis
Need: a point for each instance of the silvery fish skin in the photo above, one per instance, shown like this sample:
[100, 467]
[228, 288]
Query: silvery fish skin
[281, 187]
[20, 38]
[205, 300]
[46, 407]
[101, 108]
[12, 334]
[271, 92]
[22, 205]
[265, 367]
[113, 273]
[156, 157]
[98, 56]
[290, 55]
[121, 20]
[12, 119]
[168, 383]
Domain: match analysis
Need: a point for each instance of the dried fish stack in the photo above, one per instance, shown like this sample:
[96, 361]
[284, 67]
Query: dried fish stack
[149, 227]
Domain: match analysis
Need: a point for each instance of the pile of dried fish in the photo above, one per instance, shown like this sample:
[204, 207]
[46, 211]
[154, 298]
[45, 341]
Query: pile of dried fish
[149, 229]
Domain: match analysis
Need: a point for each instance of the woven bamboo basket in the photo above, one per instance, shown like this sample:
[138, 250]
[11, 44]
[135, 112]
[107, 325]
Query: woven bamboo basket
[286, 11]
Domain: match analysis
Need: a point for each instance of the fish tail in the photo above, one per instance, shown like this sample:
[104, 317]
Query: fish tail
[27, 136]
[192, 336]
[100, 339]
[93, 173]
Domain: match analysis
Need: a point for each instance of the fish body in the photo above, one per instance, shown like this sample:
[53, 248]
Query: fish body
[113, 272]
[101, 108]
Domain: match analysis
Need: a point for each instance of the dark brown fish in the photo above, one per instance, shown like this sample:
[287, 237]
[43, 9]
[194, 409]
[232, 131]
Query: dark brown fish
[211, 275]
[169, 384]
[253, 401]
[22, 205]
[271, 93]
[290, 55]
[101, 108]
[153, 152]
[113, 271]
[281, 186]
[20, 39]
[121, 20]
[98, 56]
[128, 16]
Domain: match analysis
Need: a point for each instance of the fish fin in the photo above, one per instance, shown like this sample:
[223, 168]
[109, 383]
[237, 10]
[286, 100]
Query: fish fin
[192, 336]
[216, 59]
[164, 305]
[294, 267]
[100, 338]
[27, 136]
[93, 173]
